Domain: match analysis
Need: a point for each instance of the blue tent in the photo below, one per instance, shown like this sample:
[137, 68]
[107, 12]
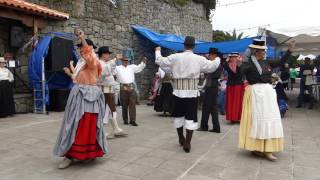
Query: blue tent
[174, 42]
[54, 81]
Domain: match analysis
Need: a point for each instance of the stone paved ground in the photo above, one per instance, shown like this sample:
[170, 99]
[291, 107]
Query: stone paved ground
[151, 151]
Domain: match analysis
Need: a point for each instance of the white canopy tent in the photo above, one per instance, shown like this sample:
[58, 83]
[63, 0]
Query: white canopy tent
[302, 57]
[307, 39]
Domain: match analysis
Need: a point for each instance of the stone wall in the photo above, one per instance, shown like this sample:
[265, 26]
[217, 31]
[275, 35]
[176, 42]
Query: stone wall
[110, 26]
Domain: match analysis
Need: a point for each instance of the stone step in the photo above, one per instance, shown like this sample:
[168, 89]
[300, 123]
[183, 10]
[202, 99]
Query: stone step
[23, 102]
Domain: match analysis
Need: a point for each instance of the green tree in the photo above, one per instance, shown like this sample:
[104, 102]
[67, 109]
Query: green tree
[218, 36]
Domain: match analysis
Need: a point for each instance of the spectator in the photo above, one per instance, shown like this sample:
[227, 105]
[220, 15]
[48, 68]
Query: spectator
[285, 75]
[306, 94]
[293, 75]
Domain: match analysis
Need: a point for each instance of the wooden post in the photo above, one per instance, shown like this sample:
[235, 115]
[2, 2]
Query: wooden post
[35, 31]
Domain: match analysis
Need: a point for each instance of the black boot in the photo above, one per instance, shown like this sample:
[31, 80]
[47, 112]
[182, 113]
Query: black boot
[187, 143]
[181, 136]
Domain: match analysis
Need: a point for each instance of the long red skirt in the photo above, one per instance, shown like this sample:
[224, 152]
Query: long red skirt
[234, 97]
[85, 145]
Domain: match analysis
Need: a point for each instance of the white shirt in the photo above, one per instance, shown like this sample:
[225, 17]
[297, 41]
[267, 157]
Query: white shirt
[107, 72]
[161, 73]
[125, 75]
[186, 65]
[5, 74]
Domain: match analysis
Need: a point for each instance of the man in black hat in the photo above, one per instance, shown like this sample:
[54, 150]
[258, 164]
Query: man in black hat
[210, 105]
[186, 68]
[125, 76]
[107, 83]
[306, 72]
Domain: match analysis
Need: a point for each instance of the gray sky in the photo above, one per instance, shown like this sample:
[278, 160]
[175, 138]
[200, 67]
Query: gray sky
[274, 14]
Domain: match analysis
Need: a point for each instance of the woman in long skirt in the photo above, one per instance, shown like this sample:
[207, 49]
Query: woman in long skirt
[235, 88]
[261, 130]
[164, 99]
[82, 135]
[6, 93]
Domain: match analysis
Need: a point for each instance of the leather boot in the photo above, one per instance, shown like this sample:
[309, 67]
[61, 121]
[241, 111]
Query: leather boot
[181, 136]
[187, 143]
[116, 129]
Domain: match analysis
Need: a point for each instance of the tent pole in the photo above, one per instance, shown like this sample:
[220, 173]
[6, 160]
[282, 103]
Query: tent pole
[43, 83]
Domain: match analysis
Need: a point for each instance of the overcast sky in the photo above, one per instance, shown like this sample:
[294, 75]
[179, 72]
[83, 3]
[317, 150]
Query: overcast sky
[276, 14]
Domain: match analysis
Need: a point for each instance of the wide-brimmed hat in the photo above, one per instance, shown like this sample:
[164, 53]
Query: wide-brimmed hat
[125, 57]
[213, 51]
[258, 44]
[275, 76]
[89, 42]
[234, 54]
[189, 41]
[2, 60]
[103, 50]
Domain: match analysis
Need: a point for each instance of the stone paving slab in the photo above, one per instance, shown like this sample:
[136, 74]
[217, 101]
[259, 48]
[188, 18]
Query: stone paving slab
[151, 151]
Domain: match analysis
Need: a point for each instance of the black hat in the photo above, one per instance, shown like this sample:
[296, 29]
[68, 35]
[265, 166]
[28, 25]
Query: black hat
[258, 44]
[189, 40]
[89, 42]
[104, 49]
[213, 51]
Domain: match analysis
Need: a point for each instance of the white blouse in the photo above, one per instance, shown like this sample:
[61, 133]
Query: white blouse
[5, 74]
[107, 73]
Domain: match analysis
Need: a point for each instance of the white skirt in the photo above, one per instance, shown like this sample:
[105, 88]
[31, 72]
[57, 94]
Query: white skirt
[266, 119]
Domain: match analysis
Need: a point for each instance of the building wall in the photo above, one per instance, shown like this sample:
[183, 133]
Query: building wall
[110, 26]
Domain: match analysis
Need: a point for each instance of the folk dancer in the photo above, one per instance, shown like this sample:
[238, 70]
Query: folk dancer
[261, 130]
[210, 104]
[186, 68]
[108, 83]
[235, 88]
[125, 76]
[164, 99]
[82, 134]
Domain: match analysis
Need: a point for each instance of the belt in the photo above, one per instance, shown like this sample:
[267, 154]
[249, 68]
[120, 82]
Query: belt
[127, 86]
[185, 84]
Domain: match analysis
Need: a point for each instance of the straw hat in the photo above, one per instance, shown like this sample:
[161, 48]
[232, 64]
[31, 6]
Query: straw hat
[2, 60]
[258, 44]
[275, 76]
[234, 54]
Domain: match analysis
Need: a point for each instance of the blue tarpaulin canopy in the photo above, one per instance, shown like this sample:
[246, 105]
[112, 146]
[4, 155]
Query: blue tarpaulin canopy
[55, 80]
[175, 42]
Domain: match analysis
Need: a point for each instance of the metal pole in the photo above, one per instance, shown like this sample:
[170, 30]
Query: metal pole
[43, 88]
[34, 101]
